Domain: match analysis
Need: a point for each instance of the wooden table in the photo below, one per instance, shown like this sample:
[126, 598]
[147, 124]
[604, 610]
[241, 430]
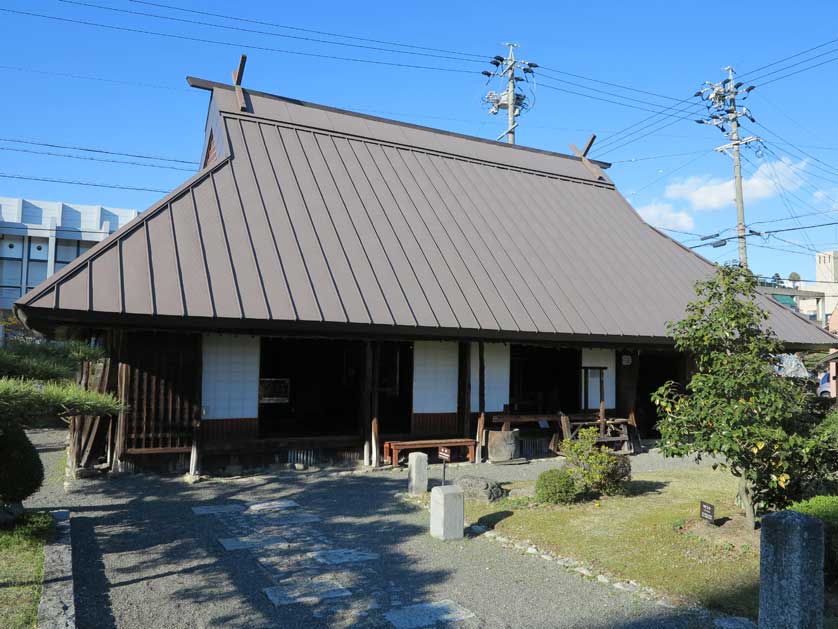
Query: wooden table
[508, 421]
[392, 448]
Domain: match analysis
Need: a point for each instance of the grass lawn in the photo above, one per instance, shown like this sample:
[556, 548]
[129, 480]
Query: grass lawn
[650, 535]
[21, 569]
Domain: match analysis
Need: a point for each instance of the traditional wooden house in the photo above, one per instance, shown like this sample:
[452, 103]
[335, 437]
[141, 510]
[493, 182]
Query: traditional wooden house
[327, 275]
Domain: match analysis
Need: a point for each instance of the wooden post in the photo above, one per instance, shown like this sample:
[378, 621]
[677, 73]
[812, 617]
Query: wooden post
[376, 367]
[195, 454]
[366, 402]
[481, 399]
[602, 402]
[118, 465]
[464, 388]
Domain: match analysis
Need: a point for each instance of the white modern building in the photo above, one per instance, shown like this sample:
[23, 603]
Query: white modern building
[38, 238]
[826, 282]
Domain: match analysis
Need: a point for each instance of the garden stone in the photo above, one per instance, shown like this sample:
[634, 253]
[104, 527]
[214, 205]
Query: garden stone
[447, 512]
[417, 473]
[480, 489]
[791, 592]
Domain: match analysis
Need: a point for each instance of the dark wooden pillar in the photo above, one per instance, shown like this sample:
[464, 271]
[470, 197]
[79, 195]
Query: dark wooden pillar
[376, 377]
[481, 400]
[464, 388]
[366, 402]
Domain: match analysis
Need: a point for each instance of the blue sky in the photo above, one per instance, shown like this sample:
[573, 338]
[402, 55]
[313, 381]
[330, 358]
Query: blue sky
[139, 102]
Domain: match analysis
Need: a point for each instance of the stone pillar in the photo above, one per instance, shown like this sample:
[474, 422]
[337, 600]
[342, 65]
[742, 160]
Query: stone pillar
[791, 571]
[447, 512]
[417, 473]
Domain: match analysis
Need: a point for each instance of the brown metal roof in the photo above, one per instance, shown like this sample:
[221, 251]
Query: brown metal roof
[323, 219]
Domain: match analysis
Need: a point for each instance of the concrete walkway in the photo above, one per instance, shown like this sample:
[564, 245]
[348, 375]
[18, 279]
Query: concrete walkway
[301, 549]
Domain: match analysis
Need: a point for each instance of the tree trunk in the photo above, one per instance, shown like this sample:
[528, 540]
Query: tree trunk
[747, 504]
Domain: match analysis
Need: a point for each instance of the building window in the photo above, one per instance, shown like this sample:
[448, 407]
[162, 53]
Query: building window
[38, 249]
[37, 273]
[11, 266]
[68, 250]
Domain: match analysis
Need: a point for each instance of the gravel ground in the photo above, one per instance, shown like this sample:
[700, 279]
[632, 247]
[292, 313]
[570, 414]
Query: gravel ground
[142, 558]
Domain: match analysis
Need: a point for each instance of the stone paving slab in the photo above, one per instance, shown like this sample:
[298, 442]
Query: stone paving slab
[343, 555]
[427, 615]
[310, 593]
[253, 541]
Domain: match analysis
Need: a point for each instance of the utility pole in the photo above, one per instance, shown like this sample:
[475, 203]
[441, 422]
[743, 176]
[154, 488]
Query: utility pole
[510, 95]
[720, 99]
[510, 99]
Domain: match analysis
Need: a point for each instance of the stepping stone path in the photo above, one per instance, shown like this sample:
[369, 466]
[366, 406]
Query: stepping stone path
[341, 587]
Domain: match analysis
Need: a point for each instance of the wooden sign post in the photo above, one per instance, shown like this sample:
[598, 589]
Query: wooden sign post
[444, 455]
[708, 512]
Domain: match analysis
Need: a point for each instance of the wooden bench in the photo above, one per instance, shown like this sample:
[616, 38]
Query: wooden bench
[392, 448]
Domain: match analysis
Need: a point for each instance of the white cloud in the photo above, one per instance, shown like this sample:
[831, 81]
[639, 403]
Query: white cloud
[662, 215]
[709, 193]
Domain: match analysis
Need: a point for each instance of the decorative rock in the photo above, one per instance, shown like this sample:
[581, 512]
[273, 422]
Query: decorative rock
[584, 572]
[417, 473]
[626, 587]
[504, 446]
[480, 489]
[532, 550]
[602, 578]
[547, 557]
[447, 512]
[791, 592]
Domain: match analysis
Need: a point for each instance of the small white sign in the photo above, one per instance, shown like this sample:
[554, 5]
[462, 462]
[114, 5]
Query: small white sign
[543, 423]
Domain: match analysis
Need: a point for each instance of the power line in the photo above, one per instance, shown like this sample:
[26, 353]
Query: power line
[594, 89]
[97, 150]
[81, 183]
[202, 40]
[261, 32]
[87, 77]
[307, 30]
[671, 172]
[794, 65]
[617, 85]
[618, 135]
[798, 54]
[614, 102]
[657, 128]
[651, 157]
[95, 159]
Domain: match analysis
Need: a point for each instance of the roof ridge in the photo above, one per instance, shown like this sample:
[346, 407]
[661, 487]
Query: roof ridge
[210, 85]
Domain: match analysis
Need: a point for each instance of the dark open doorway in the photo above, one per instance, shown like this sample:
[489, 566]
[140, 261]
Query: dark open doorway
[654, 369]
[395, 388]
[310, 387]
[544, 379]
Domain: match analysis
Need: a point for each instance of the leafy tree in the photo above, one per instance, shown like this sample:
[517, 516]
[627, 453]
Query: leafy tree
[761, 426]
[794, 276]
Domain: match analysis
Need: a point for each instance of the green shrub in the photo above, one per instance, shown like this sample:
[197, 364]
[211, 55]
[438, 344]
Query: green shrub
[21, 471]
[557, 487]
[45, 360]
[597, 470]
[23, 399]
[824, 508]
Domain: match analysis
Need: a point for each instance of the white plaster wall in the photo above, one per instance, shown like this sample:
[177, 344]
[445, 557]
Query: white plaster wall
[230, 378]
[496, 362]
[601, 358]
[435, 376]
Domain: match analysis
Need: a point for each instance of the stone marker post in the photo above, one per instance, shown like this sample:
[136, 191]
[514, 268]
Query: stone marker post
[417, 473]
[447, 512]
[791, 571]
